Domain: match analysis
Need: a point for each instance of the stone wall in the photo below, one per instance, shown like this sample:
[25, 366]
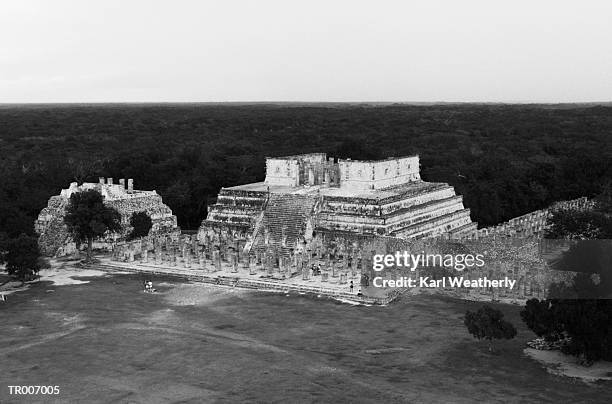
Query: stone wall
[532, 224]
[435, 211]
[304, 169]
[316, 169]
[360, 175]
[282, 172]
[519, 259]
[51, 228]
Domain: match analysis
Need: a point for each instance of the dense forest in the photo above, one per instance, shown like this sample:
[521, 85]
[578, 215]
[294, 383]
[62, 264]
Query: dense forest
[506, 160]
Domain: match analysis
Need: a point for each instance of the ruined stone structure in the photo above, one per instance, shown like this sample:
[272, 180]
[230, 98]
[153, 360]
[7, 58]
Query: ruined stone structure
[54, 238]
[314, 212]
[533, 224]
[347, 258]
[315, 224]
[306, 194]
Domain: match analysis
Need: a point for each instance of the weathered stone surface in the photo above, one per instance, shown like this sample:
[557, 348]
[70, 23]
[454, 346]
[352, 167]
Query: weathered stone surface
[532, 224]
[306, 193]
[54, 238]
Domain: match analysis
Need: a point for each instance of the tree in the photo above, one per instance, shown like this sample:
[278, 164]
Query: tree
[540, 319]
[587, 323]
[603, 201]
[3, 246]
[488, 323]
[582, 310]
[576, 224]
[592, 259]
[22, 257]
[141, 225]
[88, 218]
[357, 149]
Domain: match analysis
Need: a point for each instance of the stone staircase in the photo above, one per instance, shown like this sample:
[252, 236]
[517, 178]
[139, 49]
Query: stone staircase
[285, 222]
[237, 210]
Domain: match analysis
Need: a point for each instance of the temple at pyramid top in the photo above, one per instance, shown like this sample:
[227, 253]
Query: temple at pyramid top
[317, 169]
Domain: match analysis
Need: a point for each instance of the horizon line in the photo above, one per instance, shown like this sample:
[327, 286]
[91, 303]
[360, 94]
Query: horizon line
[415, 103]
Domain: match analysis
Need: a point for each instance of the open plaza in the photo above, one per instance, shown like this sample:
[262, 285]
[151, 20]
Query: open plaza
[100, 338]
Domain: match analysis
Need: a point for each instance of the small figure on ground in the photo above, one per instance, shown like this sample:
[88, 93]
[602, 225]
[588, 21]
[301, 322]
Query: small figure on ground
[149, 287]
[351, 286]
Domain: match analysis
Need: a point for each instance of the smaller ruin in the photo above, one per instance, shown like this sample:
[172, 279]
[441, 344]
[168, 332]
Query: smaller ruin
[54, 238]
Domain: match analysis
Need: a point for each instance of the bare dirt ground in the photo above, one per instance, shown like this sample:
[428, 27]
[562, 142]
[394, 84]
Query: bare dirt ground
[107, 341]
[566, 365]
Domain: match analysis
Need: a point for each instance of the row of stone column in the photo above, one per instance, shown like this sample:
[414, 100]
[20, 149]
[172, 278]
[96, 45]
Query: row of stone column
[186, 252]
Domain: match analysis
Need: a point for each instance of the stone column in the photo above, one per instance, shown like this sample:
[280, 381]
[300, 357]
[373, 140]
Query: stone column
[239, 245]
[355, 266]
[202, 261]
[299, 260]
[334, 271]
[234, 261]
[286, 266]
[269, 263]
[366, 266]
[164, 256]
[217, 260]
[131, 253]
[187, 260]
[114, 252]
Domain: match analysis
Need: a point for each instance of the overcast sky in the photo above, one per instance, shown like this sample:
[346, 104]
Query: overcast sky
[309, 50]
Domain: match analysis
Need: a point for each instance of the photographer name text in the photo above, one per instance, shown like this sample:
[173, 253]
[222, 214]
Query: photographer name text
[445, 282]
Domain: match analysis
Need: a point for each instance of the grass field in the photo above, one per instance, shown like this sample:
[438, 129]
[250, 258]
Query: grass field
[106, 341]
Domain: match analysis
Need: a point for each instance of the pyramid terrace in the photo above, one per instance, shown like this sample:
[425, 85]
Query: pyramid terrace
[310, 193]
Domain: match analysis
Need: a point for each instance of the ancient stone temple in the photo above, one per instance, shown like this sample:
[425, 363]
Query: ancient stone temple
[53, 233]
[307, 194]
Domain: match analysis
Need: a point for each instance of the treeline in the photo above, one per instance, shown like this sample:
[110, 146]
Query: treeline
[505, 160]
